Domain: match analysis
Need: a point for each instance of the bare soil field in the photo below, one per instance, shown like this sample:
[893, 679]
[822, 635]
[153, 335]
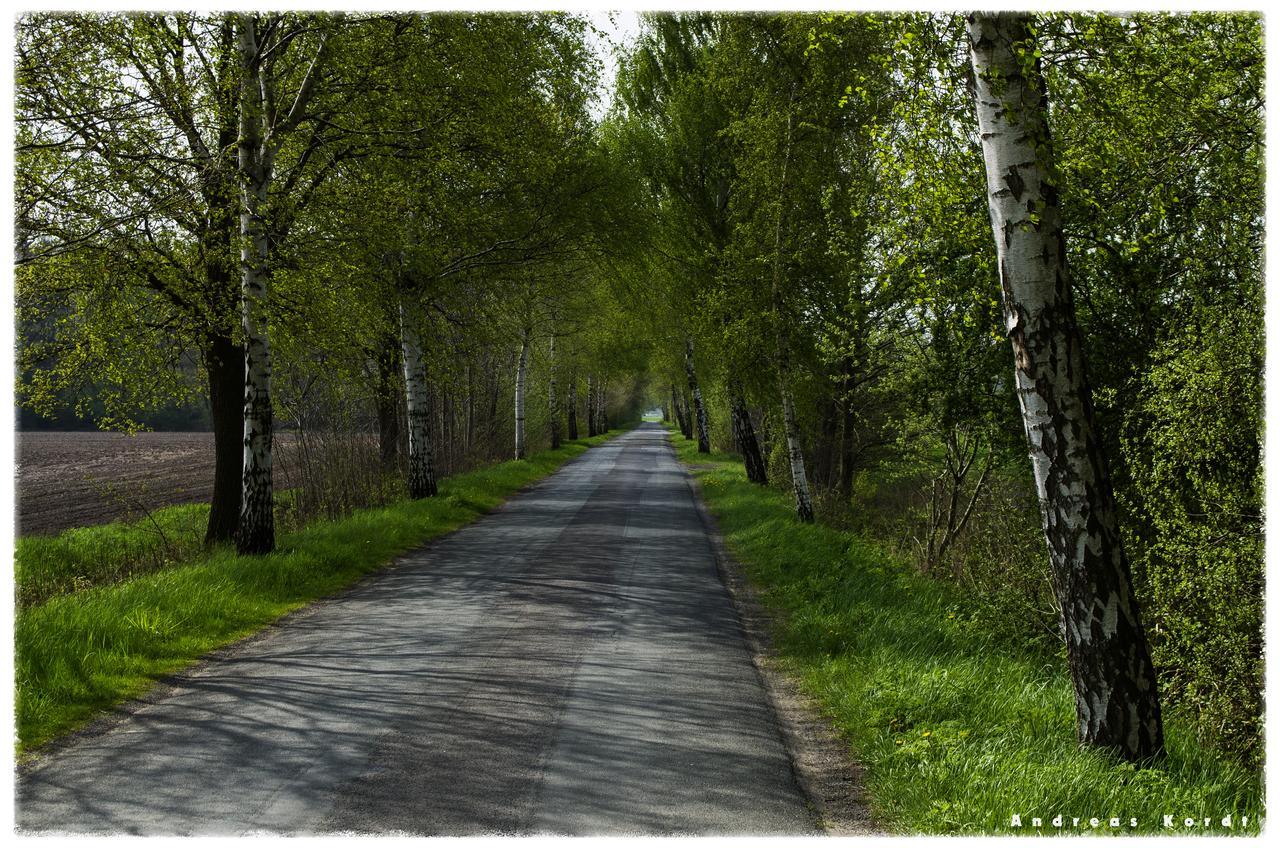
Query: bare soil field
[76, 479]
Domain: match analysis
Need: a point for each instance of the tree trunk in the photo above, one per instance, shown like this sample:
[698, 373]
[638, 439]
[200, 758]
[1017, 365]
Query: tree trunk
[224, 357]
[554, 397]
[471, 409]
[255, 533]
[573, 405]
[493, 407]
[388, 404]
[602, 416]
[744, 435]
[446, 446]
[682, 415]
[1117, 706]
[591, 406]
[795, 453]
[224, 363]
[417, 396]
[824, 454]
[521, 372]
[847, 443]
[699, 411]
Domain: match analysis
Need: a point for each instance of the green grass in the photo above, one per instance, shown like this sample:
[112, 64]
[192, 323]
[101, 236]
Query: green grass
[80, 653]
[47, 566]
[957, 726]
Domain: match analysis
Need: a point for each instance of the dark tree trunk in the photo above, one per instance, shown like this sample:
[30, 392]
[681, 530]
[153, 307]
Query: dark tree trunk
[848, 423]
[682, 413]
[1117, 706]
[224, 361]
[494, 391]
[592, 418]
[825, 454]
[471, 409]
[573, 405]
[699, 409]
[848, 455]
[553, 397]
[388, 403]
[744, 436]
[448, 440]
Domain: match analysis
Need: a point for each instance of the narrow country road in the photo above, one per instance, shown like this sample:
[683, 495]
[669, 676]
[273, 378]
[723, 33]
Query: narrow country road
[569, 664]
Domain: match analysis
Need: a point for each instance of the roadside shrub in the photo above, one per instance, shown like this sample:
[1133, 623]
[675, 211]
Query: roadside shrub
[1193, 450]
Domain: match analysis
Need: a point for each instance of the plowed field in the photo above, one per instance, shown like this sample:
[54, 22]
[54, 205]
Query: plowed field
[77, 479]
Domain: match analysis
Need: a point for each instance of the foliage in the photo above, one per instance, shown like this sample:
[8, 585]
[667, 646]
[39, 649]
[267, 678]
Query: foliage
[956, 721]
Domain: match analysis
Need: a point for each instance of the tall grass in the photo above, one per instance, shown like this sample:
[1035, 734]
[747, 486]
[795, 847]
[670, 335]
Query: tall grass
[79, 653]
[78, 559]
[959, 727]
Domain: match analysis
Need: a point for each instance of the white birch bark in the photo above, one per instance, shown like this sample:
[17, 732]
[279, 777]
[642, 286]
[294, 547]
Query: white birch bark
[521, 372]
[553, 395]
[795, 455]
[262, 130]
[422, 474]
[1115, 683]
[255, 532]
[795, 451]
[573, 404]
[699, 410]
[602, 418]
[592, 421]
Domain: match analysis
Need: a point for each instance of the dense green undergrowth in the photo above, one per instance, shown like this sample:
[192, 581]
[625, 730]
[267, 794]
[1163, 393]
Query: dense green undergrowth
[958, 726]
[79, 653]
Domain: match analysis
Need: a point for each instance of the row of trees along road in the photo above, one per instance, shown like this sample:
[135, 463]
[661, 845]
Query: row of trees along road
[827, 188]
[811, 237]
[329, 213]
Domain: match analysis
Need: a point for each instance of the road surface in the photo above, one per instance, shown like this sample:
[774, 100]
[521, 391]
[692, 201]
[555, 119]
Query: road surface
[569, 664]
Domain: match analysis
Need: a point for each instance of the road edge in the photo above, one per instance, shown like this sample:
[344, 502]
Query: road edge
[827, 773]
[166, 685]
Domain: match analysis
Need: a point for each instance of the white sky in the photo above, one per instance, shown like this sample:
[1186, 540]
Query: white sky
[618, 28]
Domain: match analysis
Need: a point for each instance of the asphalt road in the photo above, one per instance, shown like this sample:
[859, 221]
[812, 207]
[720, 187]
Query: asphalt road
[568, 664]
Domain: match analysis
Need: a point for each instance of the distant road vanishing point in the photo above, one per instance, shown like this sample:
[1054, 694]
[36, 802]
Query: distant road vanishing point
[568, 664]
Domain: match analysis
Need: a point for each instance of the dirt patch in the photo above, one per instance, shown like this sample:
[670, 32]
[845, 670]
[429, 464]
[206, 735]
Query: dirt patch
[78, 479]
[823, 765]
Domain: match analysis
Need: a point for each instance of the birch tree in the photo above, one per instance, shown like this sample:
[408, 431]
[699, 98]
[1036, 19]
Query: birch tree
[782, 332]
[264, 127]
[572, 406]
[1117, 706]
[553, 393]
[422, 473]
[695, 391]
[522, 373]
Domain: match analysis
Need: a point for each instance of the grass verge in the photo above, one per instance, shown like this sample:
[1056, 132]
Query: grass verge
[80, 653]
[958, 727]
